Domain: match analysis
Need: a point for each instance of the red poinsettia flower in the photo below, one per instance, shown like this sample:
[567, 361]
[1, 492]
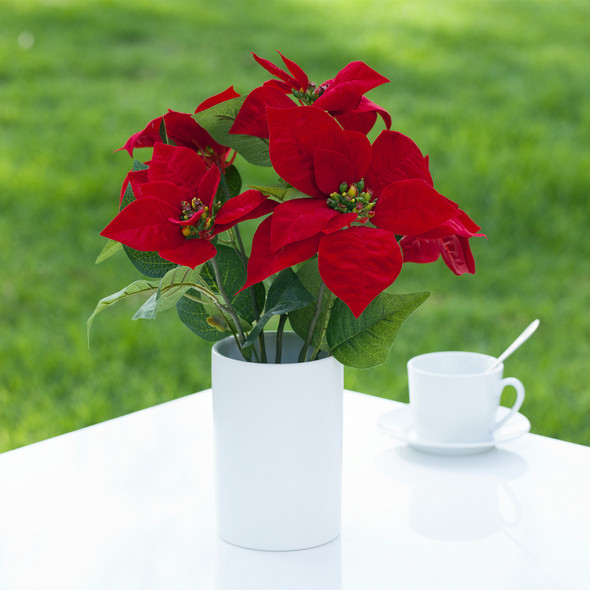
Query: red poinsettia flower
[175, 213]
[343, 97]
[362, 197]
[182, 130]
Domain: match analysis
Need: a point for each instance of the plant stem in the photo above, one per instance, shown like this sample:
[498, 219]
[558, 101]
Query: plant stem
[230, 309]
[314, 319]
[237, 241]
[279, 343]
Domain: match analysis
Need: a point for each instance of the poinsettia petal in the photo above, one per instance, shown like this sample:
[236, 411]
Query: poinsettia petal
[264, 263]
[339, 221]
[363, 117]
[144, 138]
[208, 186]
[357, 264]
[419, 250]
[297, 220]
[251, 118]
[276, 71]
[224, 96]
[177, 164]
[191, 252]
[356, 121]
[457, 255]
[165, 191]
[395, 157]
[295, 134]
[243, 207]
[144, 225]
[297, 72]
[360, 152]
[331, 169]
[412, 207]
[346, 89]
[135, 178]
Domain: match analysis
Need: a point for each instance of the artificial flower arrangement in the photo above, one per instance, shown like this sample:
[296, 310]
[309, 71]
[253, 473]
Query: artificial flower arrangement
[336, 228]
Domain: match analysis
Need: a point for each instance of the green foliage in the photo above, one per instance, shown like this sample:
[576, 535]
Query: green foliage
[218, 120]
[286, 294]
[496, 96]
[364, 342]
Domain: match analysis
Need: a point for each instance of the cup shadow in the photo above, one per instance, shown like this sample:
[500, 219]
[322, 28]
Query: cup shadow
[457, 498]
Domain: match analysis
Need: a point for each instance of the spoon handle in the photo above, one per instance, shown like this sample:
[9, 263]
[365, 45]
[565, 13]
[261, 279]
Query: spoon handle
[527, 333]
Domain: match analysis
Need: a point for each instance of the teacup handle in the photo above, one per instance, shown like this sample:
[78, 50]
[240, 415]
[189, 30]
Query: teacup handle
[514, 382]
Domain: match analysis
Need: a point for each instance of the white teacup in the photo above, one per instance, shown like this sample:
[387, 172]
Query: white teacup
[453, 399]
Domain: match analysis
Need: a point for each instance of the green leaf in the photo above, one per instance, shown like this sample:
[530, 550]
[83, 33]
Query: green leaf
[194, 316]
[365, 341]
[301, 319]
[285, 295]
[218, 120]
[233, 182]
[135, 288]
[110, 248]
[281, 193]
[149, 263]
[172, 287]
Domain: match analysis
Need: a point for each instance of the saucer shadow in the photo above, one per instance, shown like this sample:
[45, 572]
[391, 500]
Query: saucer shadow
[457, 498]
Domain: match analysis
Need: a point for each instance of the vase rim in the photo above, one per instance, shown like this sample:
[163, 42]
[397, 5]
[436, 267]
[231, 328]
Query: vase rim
[227, 349]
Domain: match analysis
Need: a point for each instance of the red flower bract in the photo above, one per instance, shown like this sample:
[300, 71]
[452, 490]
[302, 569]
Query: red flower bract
[182, 130]
[362, 197]
[175, 213]
[343, 97]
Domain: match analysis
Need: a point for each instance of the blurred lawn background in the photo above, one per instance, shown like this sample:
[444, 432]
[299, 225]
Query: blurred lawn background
[495, 91]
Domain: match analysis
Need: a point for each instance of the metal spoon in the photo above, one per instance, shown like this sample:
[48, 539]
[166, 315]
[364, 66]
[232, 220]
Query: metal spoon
[527, 333]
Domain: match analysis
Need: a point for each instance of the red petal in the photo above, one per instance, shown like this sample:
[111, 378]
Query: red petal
[227, 94]
[395, 157]
[412, 207]
[263, 263]
[457, 255]
[135, 178]
[276, 71]
[360, 152]
[297, 72]
[176, 164]
[331, 169]
[355, 121]
[363, 117]
[346, 89]
[295, 135]
[251, 119]
[419, 250]
[248, 205]
[208, 186]
[165, 191]
[190, 253]
[144, 225]
[297, 220]
[357, 264]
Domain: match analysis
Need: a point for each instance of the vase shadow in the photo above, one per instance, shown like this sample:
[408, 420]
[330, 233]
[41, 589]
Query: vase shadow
[457, 498]
[319, 568]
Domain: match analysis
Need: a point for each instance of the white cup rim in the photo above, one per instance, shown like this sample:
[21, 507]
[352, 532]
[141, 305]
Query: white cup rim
[415, 361]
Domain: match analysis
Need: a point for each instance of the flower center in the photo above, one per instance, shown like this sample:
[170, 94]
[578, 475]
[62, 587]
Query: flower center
[197, 219]
[353, 198]
[311, 94]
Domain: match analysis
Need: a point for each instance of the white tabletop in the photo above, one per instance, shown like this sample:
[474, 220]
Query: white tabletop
[129, 504]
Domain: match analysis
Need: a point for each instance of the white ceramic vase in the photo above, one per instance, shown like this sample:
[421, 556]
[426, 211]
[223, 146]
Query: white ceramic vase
[278, 447]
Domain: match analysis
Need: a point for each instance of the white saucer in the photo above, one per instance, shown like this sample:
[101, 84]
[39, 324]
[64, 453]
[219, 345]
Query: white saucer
[399, 424]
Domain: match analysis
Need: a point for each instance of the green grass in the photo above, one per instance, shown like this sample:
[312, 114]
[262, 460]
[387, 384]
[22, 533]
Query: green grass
[495, 92]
